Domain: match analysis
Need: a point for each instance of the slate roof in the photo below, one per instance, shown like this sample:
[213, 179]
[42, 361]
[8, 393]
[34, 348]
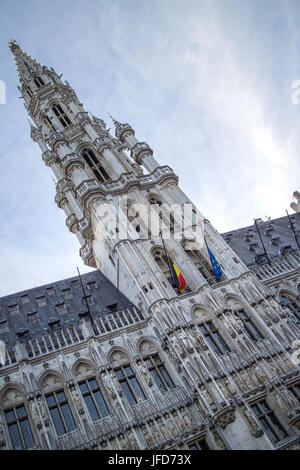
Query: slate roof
[36, 311]
[276, 234]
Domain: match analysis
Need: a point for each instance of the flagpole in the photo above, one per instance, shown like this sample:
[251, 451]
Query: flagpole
[292, 227]
[168, 260]
[86, 302]
[262, 241]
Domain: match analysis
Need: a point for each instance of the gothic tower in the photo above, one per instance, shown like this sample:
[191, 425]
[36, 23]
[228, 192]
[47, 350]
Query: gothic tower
[227, 340]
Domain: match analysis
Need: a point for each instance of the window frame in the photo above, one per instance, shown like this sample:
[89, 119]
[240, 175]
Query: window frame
[156, 367]
[91, 392]
[17, 421]
[248, 330]
[58, 405]
[128, 379]
[61, 115]
[264, 417]
[214, 342]
[94, 164]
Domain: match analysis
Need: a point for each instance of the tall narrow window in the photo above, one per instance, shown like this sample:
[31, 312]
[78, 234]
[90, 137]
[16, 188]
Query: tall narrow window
[214, 338]
[62, 116]
[250, 328]
[129, 384]
[30, 94]
[60, 412]
[158, 372]
[269, 421]
[19, 428]
[95, 165]
[39, 82]
[93, 398]
[291, 304]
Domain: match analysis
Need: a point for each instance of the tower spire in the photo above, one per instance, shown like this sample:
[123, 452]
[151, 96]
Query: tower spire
[25, 64]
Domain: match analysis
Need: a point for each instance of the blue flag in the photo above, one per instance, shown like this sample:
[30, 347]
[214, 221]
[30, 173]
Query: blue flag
[215, 265]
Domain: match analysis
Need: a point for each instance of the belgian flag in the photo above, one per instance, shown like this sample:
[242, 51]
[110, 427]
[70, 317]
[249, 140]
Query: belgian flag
[179, 280]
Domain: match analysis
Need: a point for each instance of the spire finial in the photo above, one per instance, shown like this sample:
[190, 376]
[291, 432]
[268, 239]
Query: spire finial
[112, 118]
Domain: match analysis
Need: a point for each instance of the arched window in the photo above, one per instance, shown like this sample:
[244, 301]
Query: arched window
[251, 330]
[156, 366]
[95, 165]
[201, 263]
[288, 301]
[91, 392]
[62, 116]
[58, 404]
[39, 82]
[213, 338]
[17, 421]
[127, 378]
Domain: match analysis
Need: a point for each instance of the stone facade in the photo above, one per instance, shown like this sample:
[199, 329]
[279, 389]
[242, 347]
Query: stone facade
[130, 362]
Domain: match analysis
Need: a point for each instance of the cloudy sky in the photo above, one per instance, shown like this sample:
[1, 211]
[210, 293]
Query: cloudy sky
[207, 83]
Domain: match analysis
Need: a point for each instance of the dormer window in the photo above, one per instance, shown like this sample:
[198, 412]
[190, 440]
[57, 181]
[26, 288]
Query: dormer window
[39, 82]
[95, 165]
[62, 116]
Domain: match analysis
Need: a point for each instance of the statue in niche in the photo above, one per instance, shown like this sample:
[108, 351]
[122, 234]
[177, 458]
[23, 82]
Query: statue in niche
[132, 440]
[162, 428]
[147, 435]
[155, 432]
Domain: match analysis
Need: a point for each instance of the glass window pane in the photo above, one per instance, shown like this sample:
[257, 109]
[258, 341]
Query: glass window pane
[269, 430]
[50, 400]
[253, 330]
[60, 396]
[221, 341]
[213, 344]
[119, 373]
[83, 387]
[137, 389]
[277, 425]
[166, 376]
[69, 420]
[21, 411]
[128, 370]
[93, 384]
[15, 437]
[27, 434]
[91, 407]
[10, 416]
[256, 410]
[101, 403]
[203, 328]
[156, 359]
[59, 426]
[264, 405]
[158, 380]
[128, 394]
